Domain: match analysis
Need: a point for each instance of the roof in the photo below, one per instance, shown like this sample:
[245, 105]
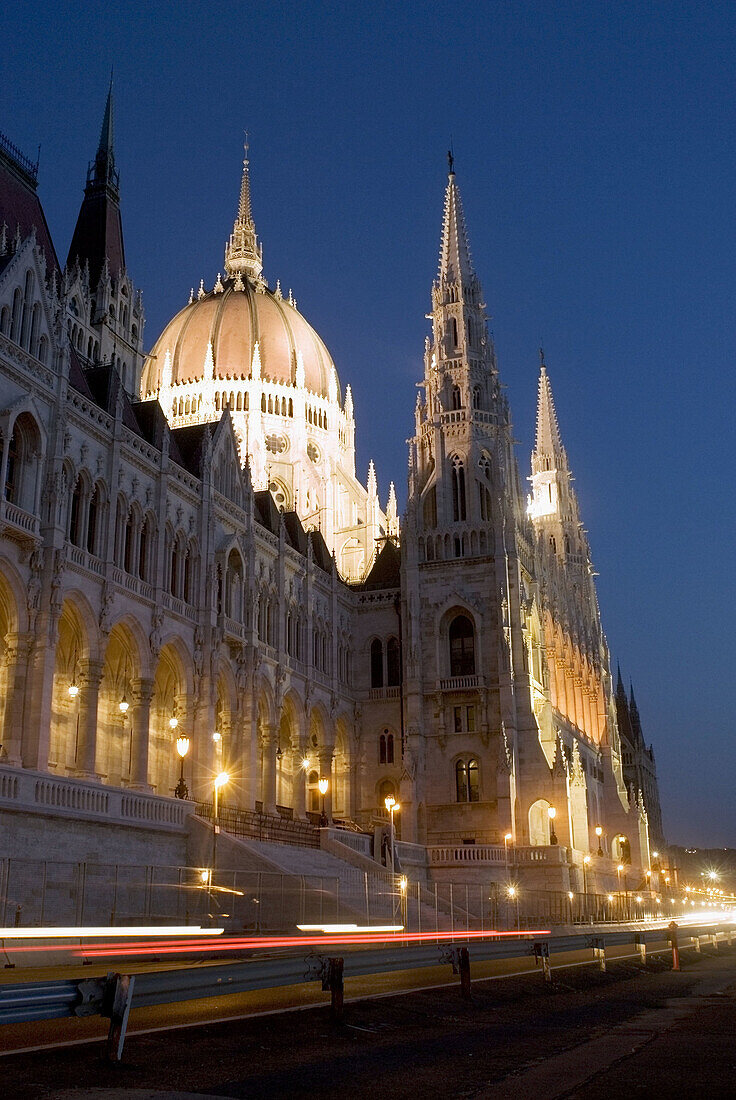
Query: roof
[386, 571]
[20, 204]
[231, 322]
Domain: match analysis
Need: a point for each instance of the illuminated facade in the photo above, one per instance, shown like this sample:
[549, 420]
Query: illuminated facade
[185, 549]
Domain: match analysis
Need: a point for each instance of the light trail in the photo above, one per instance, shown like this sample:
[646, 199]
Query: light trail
[92, 932]
[255, 943]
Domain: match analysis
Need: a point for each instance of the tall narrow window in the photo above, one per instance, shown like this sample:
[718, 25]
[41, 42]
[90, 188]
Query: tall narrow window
[75, 514]
[456, 398]
[393, 663]
[462, 646]
[461, 781]
[382, 748]
[453, 327]
[376, 663]
[94, 501]
[459, 509]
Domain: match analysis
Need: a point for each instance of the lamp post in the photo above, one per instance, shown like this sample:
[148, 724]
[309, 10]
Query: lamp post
[182, 747]
[219, 781]
[506, 840]
[599, 834]
[552, 813]
[392, 805]
[513, 893]
[586, 865]
[323, 785]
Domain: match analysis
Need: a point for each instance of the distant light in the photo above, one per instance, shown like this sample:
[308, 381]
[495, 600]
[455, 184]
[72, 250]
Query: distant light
[217, 737]
[511, 891]
[570, 894]
[305, 764]
[123, 705]
[551, 813]
[509, 836]
[173, 722]
[389, 802]
[73, 690]
[403, 883]
[182, 746]
[328, 929]
[94, 932]
[599, 830]
[610, 897]
[323, 785]
[586, 860]
[221, 780]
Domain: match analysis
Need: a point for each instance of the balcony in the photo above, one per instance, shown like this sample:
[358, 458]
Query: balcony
[460, 683]
[19, 524]
[393, 692]
[449, 855]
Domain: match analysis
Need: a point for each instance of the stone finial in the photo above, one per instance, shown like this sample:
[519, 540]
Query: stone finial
[218, 287]
[201, 291]
[239, 284]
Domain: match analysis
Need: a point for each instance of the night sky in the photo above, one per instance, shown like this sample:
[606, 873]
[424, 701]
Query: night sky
[595, 149]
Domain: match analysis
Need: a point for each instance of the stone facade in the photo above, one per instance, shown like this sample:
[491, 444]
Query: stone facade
[162, 577]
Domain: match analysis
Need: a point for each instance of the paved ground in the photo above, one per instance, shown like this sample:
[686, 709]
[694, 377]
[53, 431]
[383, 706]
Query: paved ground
[592, 1035]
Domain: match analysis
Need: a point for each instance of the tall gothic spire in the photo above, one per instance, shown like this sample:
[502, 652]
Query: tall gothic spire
[243, 254]
[548, 442]
[455, 263]
[98, 234]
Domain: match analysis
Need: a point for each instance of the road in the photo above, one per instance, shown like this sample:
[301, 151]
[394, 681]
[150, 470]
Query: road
[625, 1032]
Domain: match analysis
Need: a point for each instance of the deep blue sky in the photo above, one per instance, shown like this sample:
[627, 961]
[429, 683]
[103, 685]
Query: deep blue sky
[596, 153]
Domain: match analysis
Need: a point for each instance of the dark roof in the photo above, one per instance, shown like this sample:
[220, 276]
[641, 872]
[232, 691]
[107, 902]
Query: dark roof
[189, 443]
[20, 204]
[98, 234]
[296, 534]
[76, 374]
[267, 513]
[320, 552]
[386, 571]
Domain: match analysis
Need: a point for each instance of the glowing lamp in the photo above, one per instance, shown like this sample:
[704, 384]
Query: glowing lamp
[182, 746]
[389, 802]
[509, 836]
[599, 830]
[323, 785]
[552, 812]
[173, 722]
[123, 705]
[221, 780]
[217, 737]
[73, 689]
[305, 764]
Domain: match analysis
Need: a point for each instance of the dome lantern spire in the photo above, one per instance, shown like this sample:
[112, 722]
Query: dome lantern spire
[243, 254]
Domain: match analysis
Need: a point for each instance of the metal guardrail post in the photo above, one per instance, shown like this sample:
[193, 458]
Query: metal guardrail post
[541, 955]
[459, 959]
[672, 937]
[641, 947]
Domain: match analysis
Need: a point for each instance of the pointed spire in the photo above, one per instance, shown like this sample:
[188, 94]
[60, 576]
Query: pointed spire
[548, 440]
[455, 263]
[106, 145]
[620, 690]
[98, 234]
[243, 254]
[372, 483]
[392, 513]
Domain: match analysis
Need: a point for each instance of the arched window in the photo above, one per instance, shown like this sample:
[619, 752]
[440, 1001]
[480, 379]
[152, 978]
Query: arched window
[94, 505]
[462, 646]
[382, 748]
[553, 544]
[43, 349]
[467, 780]
[5, 321]
[313, 792]
[458, 491]
[393, 662]
[75, 514]
[128, 546]
[263, 402]
[476, 397]
[453, 329]
[456, 398]
[376, 663]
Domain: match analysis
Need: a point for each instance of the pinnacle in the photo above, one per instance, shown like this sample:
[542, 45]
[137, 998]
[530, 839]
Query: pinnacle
[548, 441]
[243, 255]
[455, 262]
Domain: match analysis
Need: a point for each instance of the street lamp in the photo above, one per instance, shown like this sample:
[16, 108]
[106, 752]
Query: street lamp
[599, 834]
[182, 747]
[392, 806]
[323, 785]
[552, 813]
[586, 865]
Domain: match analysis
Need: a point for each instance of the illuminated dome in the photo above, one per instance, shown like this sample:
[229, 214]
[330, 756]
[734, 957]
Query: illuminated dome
[243, 351]
[218, 336]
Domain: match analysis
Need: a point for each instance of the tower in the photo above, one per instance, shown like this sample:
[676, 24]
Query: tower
[462, 636]
[101, 296]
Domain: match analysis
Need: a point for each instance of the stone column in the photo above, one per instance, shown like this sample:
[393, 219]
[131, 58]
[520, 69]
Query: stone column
[89, 688]
[269, 743]
[140, 711]
[17, 648]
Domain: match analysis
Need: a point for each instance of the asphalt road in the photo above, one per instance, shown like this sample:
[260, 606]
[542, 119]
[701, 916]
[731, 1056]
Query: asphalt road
[627, 1032]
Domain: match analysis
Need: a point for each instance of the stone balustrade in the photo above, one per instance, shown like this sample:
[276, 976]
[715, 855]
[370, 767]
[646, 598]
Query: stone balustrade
[36, 792]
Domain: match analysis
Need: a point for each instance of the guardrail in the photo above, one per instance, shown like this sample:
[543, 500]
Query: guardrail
[112, 996]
